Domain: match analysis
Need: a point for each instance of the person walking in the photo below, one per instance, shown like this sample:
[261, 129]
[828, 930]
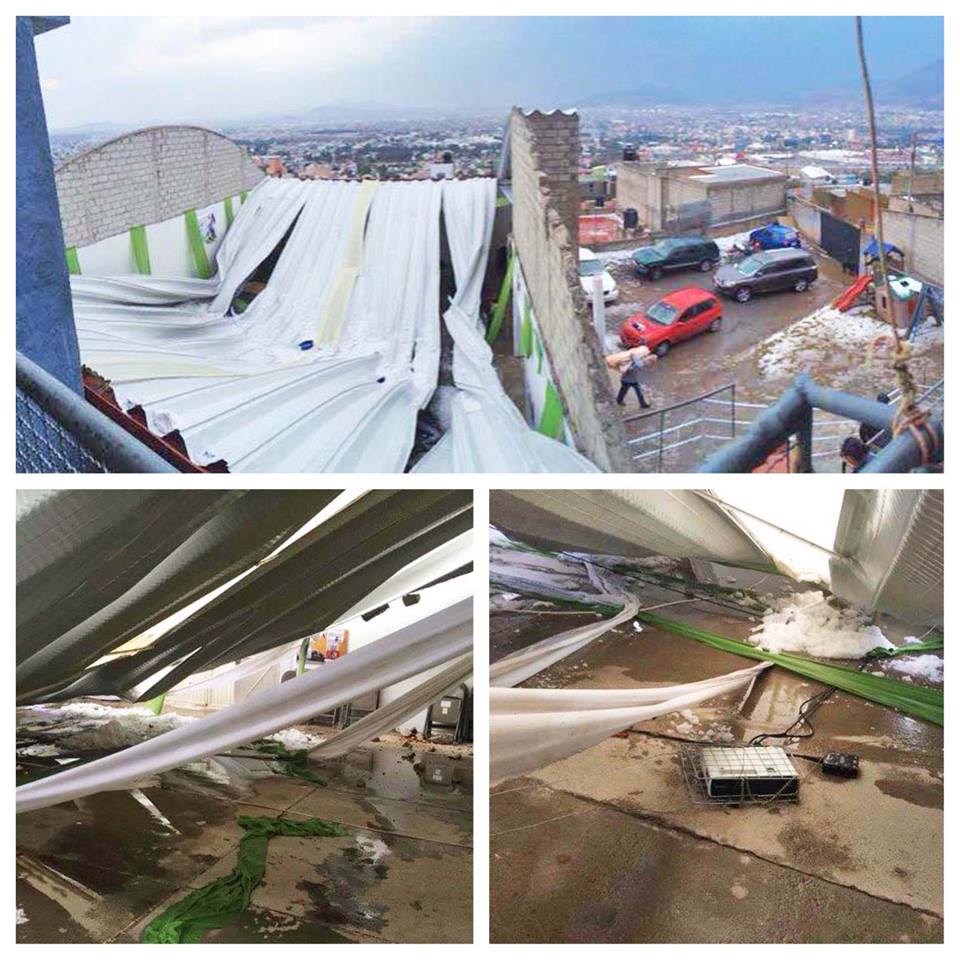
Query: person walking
[630, 379]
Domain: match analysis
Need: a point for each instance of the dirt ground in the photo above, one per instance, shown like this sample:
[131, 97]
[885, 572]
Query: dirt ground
[101, 868]
[610, 845]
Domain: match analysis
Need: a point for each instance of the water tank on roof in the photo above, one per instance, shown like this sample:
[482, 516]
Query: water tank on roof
[630, 218]
[629, 152]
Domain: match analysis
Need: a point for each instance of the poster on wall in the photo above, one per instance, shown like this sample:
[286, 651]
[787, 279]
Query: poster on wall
[329, 645]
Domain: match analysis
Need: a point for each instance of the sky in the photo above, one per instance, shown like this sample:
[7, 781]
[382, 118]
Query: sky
[139, 71]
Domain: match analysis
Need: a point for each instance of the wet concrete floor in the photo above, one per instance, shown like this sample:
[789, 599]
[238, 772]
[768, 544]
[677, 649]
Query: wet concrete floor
[611, 845]
[101, 868]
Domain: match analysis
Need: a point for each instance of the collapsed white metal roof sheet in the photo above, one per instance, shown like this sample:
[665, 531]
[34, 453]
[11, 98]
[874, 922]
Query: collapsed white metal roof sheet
[888, 553]
[328, 367]
[104, 582]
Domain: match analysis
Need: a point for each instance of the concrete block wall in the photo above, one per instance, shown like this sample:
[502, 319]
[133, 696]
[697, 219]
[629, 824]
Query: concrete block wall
[146, 177]
[745, 200]
[920, 238]
[544, 154]
[638, 187]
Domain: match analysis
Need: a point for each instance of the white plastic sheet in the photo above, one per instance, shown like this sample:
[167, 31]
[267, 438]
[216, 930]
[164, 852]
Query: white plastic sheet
[438, 639]
[530, 729]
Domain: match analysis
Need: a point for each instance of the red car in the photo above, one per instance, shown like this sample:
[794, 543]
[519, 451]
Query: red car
[677, 316]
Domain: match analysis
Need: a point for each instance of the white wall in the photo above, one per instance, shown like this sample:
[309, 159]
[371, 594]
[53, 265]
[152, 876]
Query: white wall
[167, 243]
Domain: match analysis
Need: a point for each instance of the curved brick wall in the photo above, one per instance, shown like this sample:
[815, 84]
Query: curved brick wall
[148, 176]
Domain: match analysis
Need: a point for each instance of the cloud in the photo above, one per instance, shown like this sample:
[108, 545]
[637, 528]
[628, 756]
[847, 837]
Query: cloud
[224, 47]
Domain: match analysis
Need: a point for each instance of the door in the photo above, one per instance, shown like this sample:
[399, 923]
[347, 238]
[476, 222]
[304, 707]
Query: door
[686, 323]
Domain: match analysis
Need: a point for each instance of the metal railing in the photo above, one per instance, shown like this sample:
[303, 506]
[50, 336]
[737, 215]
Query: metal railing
[680, 435]
[59, 432]
[805, 403]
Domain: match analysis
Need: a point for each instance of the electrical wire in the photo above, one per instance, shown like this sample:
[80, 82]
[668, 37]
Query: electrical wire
[807, 709]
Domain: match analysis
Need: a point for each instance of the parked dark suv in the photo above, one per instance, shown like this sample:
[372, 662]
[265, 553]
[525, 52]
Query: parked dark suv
[676, 253]
[765, 272]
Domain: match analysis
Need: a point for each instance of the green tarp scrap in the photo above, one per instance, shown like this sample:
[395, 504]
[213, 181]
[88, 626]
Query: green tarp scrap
[228, 210]
[243, 196]
[551, 417]
[882, 653]
[500, 307]
[73, 261]
[221, 902]
[913, 699]
[141, 252]
[197, 250]
[291, 763]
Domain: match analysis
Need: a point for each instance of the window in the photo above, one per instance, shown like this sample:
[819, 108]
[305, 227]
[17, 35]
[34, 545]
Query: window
[662, 313]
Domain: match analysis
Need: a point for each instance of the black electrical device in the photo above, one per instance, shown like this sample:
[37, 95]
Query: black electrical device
[841, 764]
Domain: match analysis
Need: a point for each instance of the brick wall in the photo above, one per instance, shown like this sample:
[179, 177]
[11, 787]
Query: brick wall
[544, 153]
[146, 177]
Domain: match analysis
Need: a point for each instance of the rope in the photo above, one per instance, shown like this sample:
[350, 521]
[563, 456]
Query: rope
[909, 416]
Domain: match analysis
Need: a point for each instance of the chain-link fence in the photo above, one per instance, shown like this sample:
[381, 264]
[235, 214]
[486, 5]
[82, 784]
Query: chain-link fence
[59, 432]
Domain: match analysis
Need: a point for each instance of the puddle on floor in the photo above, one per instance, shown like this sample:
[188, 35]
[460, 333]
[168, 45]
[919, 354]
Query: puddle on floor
[99, 863]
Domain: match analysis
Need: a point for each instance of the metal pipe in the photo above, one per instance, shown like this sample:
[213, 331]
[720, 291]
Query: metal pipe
[902, 454]
[874, 414]
[771, 427]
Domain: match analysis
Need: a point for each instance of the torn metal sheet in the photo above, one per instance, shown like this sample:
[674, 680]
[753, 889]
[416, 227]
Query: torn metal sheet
[328, 367]
[533, 573]
[438, 639]
[891, 542]
[102, 566]
[487, 432]
[306, 586]
[672, 523]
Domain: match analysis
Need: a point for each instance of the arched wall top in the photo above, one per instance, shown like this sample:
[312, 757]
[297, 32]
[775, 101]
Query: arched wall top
[148, 176]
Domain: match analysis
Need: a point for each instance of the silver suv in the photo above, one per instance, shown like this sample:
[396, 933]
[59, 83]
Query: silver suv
[765, 272]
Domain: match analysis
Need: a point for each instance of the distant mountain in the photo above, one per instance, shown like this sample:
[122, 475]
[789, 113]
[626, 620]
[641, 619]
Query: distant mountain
[94, 130]
[919, 88]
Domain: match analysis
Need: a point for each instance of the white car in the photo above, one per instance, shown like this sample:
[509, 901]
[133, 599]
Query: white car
[591, 266]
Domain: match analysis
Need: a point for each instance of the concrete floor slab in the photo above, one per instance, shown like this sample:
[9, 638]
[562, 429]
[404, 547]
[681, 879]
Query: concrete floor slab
[101, 868]
[850, 854]
[599, 875]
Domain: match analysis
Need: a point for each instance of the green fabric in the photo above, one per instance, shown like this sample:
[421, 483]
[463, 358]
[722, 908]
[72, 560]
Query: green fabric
[221, 902]
[228, 210]
[291, 763]
[538, 343]
[73, 261]
[881, 653]
[243, 196]
[503, 298]
[141, 252]
[199, 252]
[913, 699]
[551, 417]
